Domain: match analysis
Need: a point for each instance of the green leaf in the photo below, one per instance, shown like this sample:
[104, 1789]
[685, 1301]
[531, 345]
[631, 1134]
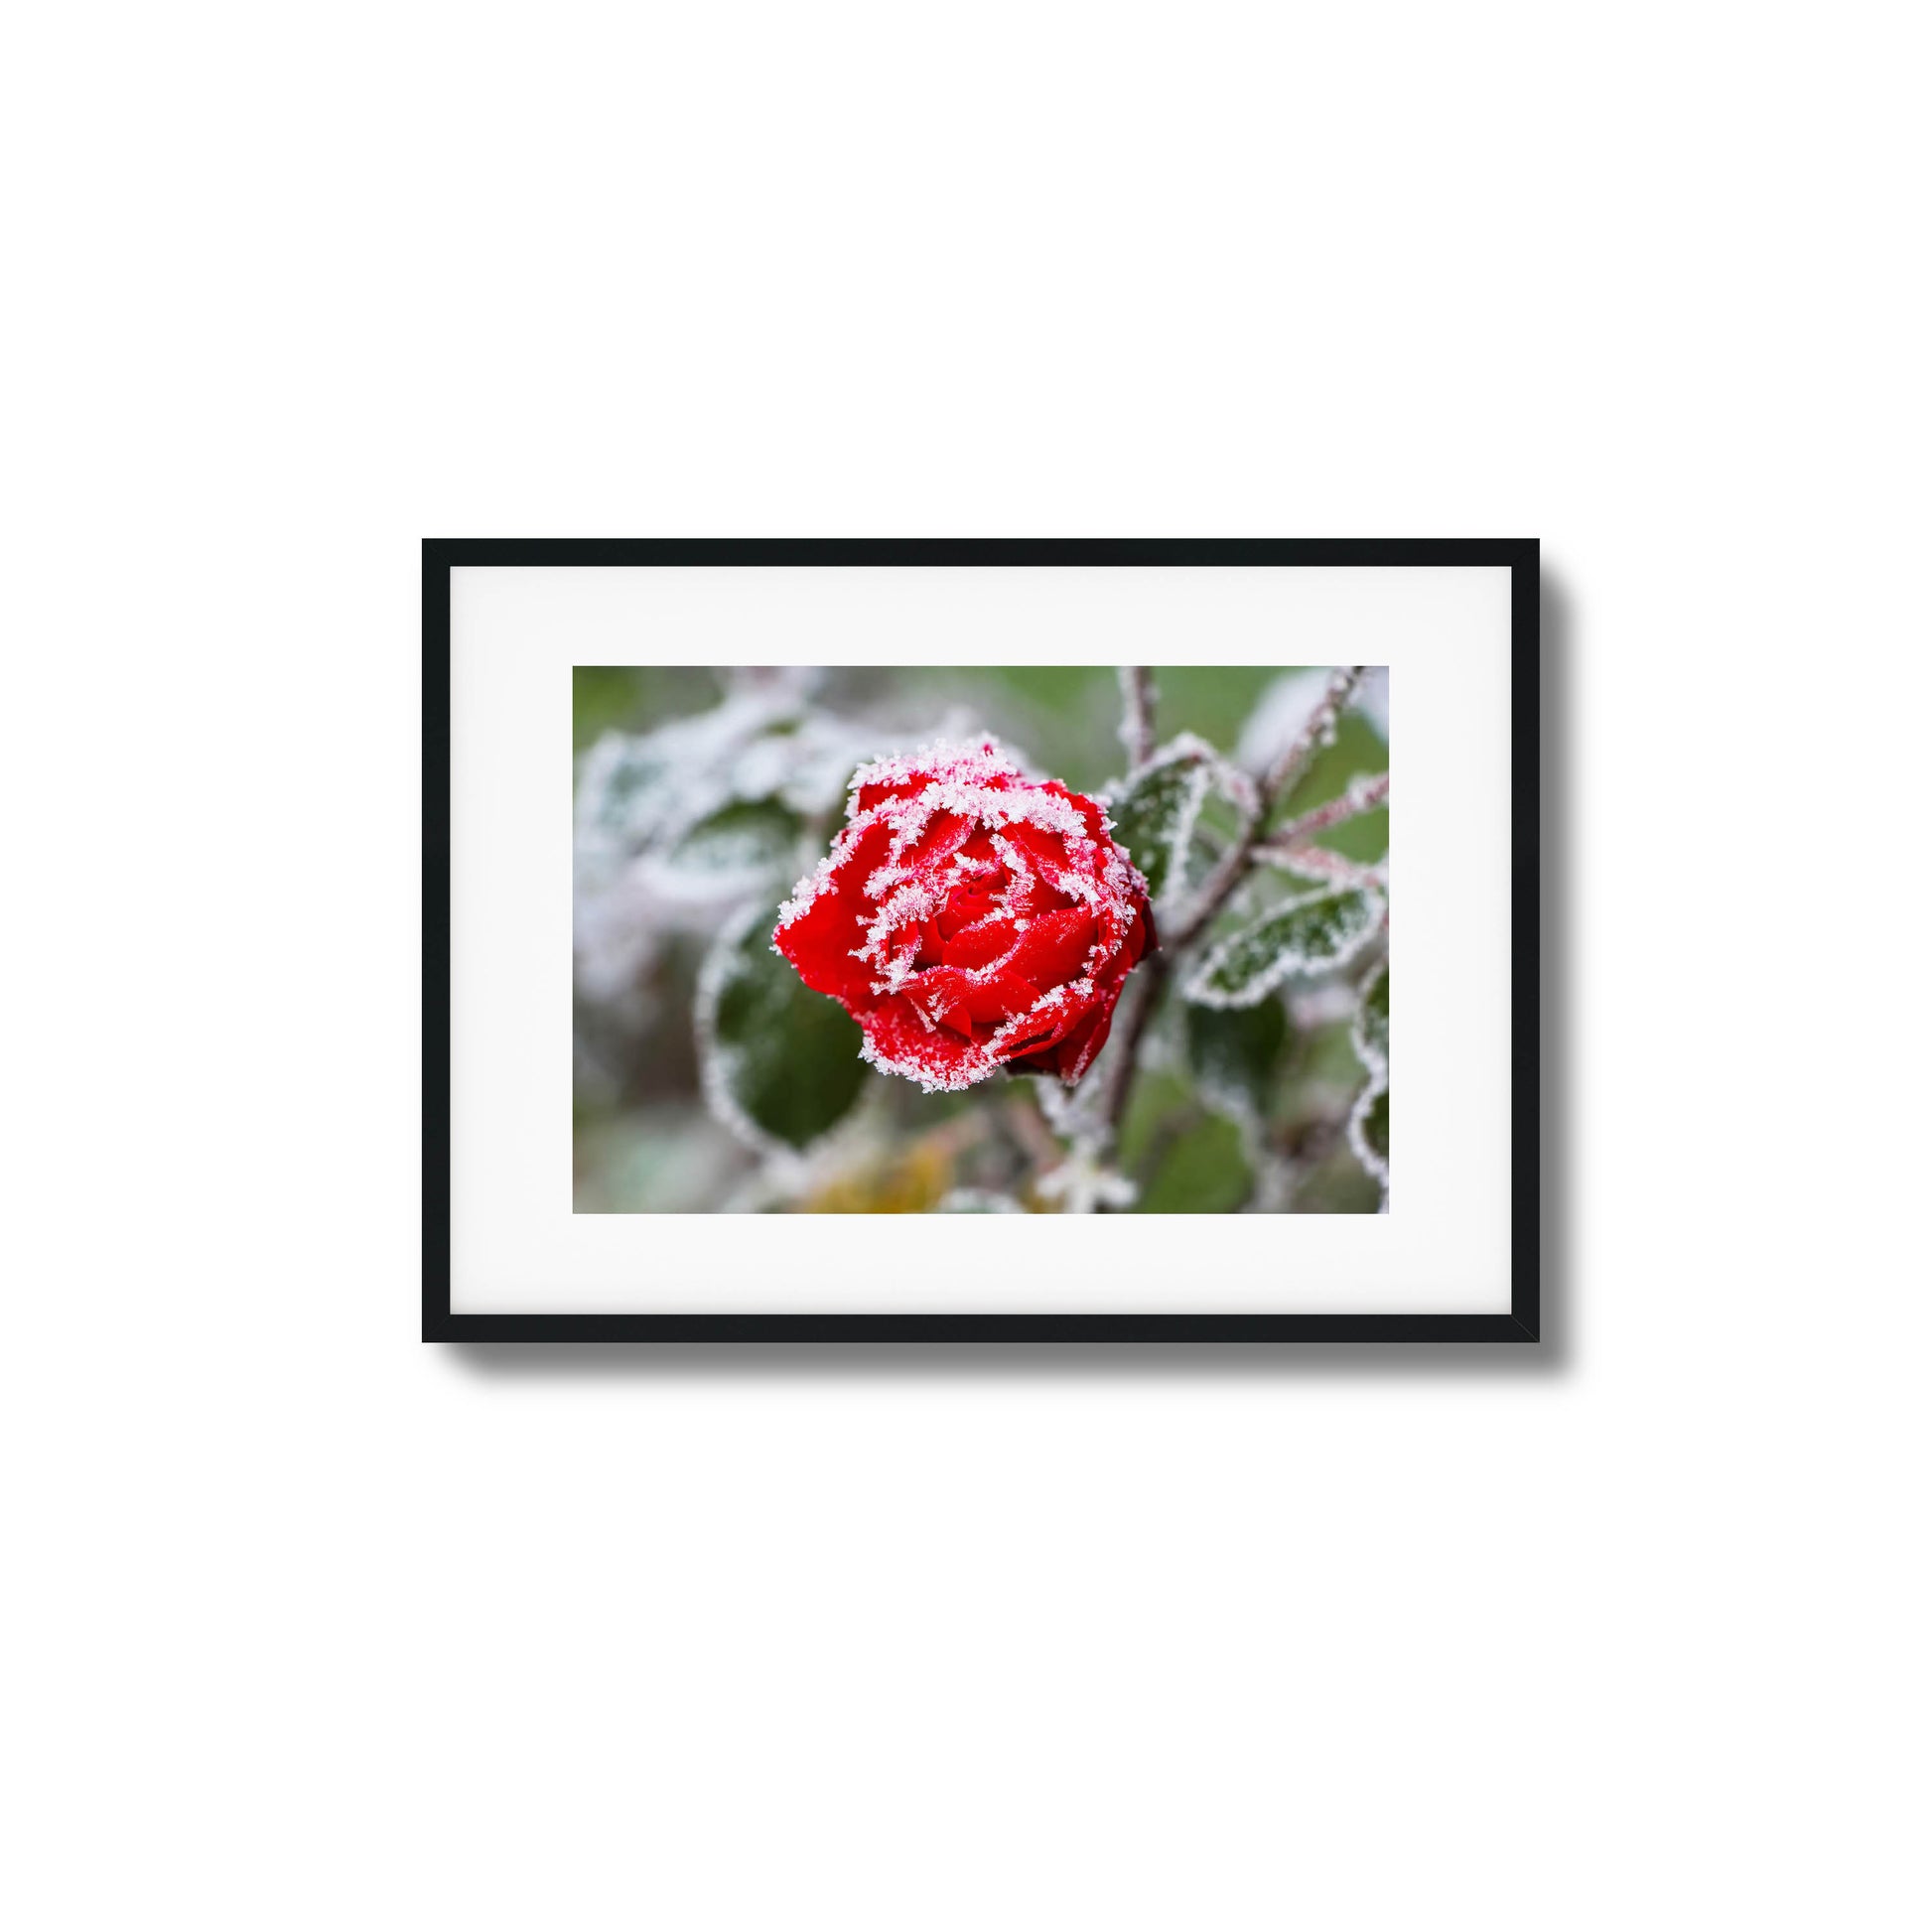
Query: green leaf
[747, 835]
[625, 790]
[1309, 934]
[1155, 1098]
[1203, 1171]
[1375, 1125]
[780, 1061]
[1153, 812]
[1368, 1124]
[1368, 1130]
[1372, 1023]
[1236, 1049]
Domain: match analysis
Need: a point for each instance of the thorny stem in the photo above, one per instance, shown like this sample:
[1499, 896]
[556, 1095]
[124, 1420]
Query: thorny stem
[1137, 714]
[1215, 891]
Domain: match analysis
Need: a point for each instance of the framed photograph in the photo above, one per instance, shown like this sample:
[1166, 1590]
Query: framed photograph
[1045, 897]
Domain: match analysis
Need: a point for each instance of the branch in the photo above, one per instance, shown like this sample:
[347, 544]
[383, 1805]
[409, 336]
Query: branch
[1137, 714]
[1363, 794]
[1144, 988]
[1318, 730]
[1317, 862]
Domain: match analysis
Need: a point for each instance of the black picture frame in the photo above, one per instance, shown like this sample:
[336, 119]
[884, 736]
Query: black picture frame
[1523, 1322]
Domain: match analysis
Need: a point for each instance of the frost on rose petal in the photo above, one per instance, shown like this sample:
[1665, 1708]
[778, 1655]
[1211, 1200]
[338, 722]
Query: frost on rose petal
[1312, 933]
[969, 919]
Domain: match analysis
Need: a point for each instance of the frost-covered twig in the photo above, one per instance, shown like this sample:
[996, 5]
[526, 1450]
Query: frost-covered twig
[1363, 794]
[1229, 874]
[1317, 862]
[1318, 730]
[1137, 714]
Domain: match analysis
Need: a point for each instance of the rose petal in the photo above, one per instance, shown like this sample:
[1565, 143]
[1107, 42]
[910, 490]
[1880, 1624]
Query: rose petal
[1046, 855]
[1039, 1033]
[968, 902]
[979, 946]
[942, 996]
[1081, 1047]
[820, 942]
[994, 1001]
[945, 834]
[937, 1054]
[1053, 948]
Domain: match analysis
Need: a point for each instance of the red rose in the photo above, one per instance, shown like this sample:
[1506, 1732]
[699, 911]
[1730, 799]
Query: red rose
[970, 919]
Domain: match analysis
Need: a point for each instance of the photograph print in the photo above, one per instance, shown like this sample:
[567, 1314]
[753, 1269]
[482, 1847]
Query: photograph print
[1023, 939]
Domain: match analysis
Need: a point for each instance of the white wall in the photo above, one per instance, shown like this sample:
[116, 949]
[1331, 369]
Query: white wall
[308, 1625]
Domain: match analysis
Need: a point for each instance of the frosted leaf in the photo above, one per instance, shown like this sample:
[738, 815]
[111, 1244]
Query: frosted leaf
[780, 1064]
[1368, 1124]
[807, 764]
[1234, 1051]
[1322, 1004]
[1302, 936]
[1154, 810]
[625, 792]
[1368, 1132]
[1371, 1031]
[650, 793]
[677, 826]
[747, 835]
